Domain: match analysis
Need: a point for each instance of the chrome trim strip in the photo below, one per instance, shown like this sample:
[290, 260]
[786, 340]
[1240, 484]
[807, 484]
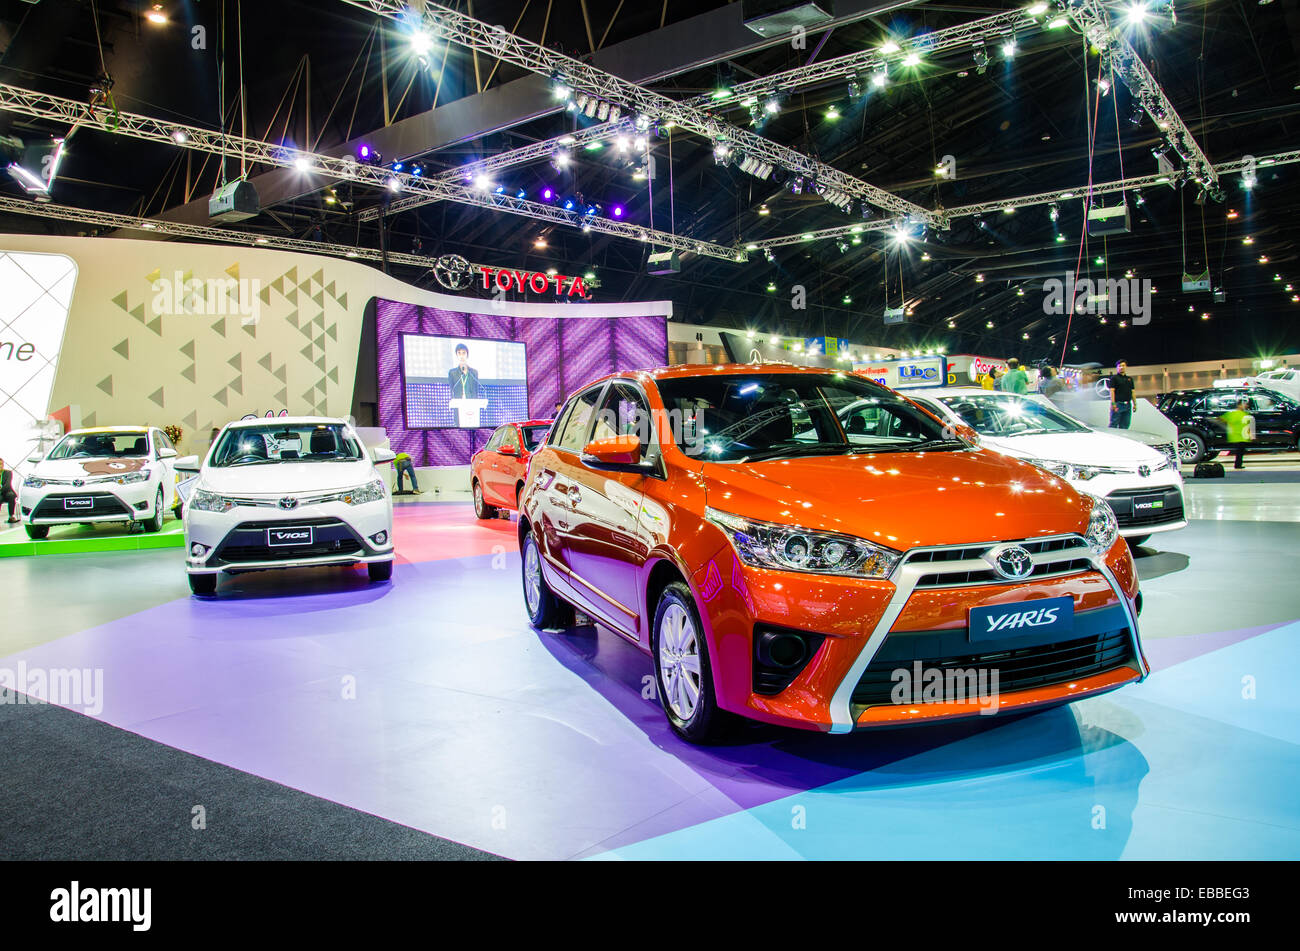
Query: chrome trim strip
[1104, 570]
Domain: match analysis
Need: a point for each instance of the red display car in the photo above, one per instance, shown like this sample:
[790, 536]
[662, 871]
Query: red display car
[782, 566]
[497, 470]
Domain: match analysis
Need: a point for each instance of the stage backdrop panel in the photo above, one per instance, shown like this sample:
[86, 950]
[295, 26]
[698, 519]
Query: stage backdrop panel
[563, 354]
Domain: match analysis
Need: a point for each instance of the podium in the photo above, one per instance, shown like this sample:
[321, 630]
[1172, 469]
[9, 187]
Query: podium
[467, 412]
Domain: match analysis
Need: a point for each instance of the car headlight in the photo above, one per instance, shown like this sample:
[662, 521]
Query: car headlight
[1061, 469]
[370, 492]
[1077, 473]
[130, 478]
[1103, 529]
[31, 482]
[791, 548]
[204, 501]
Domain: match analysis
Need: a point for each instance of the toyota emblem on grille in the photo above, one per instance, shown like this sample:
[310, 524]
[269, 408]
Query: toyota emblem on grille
[1011, 562]
[1144, 471]
[78, 482]
[288, 503]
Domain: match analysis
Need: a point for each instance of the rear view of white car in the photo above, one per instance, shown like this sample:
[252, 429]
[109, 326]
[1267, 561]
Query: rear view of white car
[112, 474]
[1143, 485]
[287, 493]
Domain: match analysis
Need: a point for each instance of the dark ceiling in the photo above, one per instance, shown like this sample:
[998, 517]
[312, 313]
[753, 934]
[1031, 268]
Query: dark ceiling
[315, 74]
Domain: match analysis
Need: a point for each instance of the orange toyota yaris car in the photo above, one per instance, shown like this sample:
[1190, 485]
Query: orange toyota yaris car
[807, 548]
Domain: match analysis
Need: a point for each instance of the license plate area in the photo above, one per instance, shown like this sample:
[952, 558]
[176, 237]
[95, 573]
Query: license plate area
[1148, 503]
[1043, 619]
[78, 504]
[289, 537]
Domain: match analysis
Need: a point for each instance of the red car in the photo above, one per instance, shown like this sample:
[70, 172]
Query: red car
[497, 470]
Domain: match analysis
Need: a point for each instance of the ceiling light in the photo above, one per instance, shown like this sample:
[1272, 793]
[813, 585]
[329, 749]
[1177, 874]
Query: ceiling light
[1037, 10]
[156, 16]
[912, 59]
[888, 47]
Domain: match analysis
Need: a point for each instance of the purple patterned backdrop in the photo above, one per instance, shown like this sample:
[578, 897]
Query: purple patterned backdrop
[563, 354]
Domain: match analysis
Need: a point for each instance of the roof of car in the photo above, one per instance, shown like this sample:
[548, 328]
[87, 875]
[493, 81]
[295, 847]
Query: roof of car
[110, 429]
[289, 421]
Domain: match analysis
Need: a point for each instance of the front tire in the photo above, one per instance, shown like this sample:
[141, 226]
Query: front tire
[481, 508]
[155, 522]
[205, 586]
[1191, 448]
[380, 570]
[545, 610]
[37, 532]
[682, 671]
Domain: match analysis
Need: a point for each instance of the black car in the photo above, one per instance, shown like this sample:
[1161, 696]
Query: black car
[1201, 433]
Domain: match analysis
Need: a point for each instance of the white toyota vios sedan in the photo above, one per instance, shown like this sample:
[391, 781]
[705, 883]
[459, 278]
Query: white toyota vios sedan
[287, 493]
[1143, 485]
[112, 474]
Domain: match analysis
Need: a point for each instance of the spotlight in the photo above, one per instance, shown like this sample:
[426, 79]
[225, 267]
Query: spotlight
[156, 15]
[521, 194]
[772, 106]
[560, 89]
[547, 194]
[912, 59]
[1136, 14]
[1136, 117]
[722, 153]
[855, 88]
[768, 256]
[1054, 212]
[617, 211]
[981, 57]
[179, 136]
[880, 76]
[764, 210]
[569, 204]
[1037, 10]
[888, 47]
[421, 45]
[833, 113]
[1009, 48]
[843, 246]
[1103, 85]
[796, 186]
[482, 182]
[561, 159]
[642, 123]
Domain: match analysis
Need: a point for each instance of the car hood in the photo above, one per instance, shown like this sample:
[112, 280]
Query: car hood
[84, 468]
[1090, 448]
[903, 500]
[284, 478]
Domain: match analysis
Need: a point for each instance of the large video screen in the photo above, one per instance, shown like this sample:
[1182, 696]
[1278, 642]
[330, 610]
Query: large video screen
[463, 383]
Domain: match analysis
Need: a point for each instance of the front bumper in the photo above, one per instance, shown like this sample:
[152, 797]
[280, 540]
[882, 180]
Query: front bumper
[907, 619]
[1143, 505]
[256, 539]
[93, 502]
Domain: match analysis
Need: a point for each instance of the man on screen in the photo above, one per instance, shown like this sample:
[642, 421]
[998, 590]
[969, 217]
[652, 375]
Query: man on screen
[463, 379]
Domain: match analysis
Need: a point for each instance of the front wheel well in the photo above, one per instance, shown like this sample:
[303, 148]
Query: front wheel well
[662, 575]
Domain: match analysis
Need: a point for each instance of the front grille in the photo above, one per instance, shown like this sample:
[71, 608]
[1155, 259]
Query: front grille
[248, 542]
[1023, 668]
[962, 566]
[102, 504]
[1121, 501]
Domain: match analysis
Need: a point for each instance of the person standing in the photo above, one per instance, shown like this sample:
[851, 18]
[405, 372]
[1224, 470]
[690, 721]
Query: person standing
[1016, 379]
[7, 493]
[1240, 426]
[1122, 402]
[1049, 384]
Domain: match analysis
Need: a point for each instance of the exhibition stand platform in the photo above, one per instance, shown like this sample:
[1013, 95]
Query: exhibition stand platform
[89, 538]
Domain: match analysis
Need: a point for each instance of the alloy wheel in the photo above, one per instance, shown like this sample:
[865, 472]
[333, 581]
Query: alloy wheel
[532, 578]
[1188, 449]
[679, 661]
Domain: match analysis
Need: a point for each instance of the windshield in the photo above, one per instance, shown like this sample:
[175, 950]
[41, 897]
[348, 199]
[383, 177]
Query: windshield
[994, 415]
[102, 446]
[534, 435]
[749, 417]
[276, 442]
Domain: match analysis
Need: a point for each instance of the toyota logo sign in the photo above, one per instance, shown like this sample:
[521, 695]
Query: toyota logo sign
[288, 503]
[1144, 471]
[1011, 562]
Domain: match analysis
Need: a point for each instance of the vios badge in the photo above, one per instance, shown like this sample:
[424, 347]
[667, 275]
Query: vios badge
[1011, 562]
[288, 503]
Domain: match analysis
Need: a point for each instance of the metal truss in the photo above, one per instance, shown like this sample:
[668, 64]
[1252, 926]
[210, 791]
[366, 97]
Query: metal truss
[1093, 21]
[447, 24]
[80, 115]
[1028, 201]
[854, 66]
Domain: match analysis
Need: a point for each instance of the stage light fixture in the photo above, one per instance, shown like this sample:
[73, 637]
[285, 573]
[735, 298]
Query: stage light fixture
[880, 77]
[981, 57]
[156, 15]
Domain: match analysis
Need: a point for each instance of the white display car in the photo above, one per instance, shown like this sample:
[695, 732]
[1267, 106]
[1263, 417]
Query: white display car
[111, 474]
[288, 492]
[1143, 485]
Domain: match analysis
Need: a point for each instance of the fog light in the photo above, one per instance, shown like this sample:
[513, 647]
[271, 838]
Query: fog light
[776, 649]
[141, 505]
[380, 539]
[198, 551]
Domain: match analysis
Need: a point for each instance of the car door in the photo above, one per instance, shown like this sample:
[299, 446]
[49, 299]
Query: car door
[607, 547]
[1275, 420]
[508, 472]
[555, 477]
[486, 466]
[162, 441]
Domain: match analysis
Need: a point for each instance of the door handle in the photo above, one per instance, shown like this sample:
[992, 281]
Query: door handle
[575, 496]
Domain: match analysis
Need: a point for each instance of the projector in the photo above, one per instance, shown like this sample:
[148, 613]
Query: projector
[778, 17]
[661, 263]
[236, 201]
[1104, 221]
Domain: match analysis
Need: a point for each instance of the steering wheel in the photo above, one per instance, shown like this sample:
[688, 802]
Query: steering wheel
[246, 458]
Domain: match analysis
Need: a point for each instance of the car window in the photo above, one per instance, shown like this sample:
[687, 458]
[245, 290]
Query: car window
[1222, 402]
[133, 445]
[623, 412]
[577, 420]
[510, 437]
[495, 441]
[753, 416]
[162, 440]
[534, 435]
[276, 442]
[1005, 416]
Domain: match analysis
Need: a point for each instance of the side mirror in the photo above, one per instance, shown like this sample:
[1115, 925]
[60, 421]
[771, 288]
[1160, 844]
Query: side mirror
[380, 456]
[966, 433]
[34, 459]
[508, 450]
[616, 453]
[188, 464]
[166, 453]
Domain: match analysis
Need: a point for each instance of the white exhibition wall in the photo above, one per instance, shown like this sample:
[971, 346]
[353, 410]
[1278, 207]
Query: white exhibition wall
[198, 335]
